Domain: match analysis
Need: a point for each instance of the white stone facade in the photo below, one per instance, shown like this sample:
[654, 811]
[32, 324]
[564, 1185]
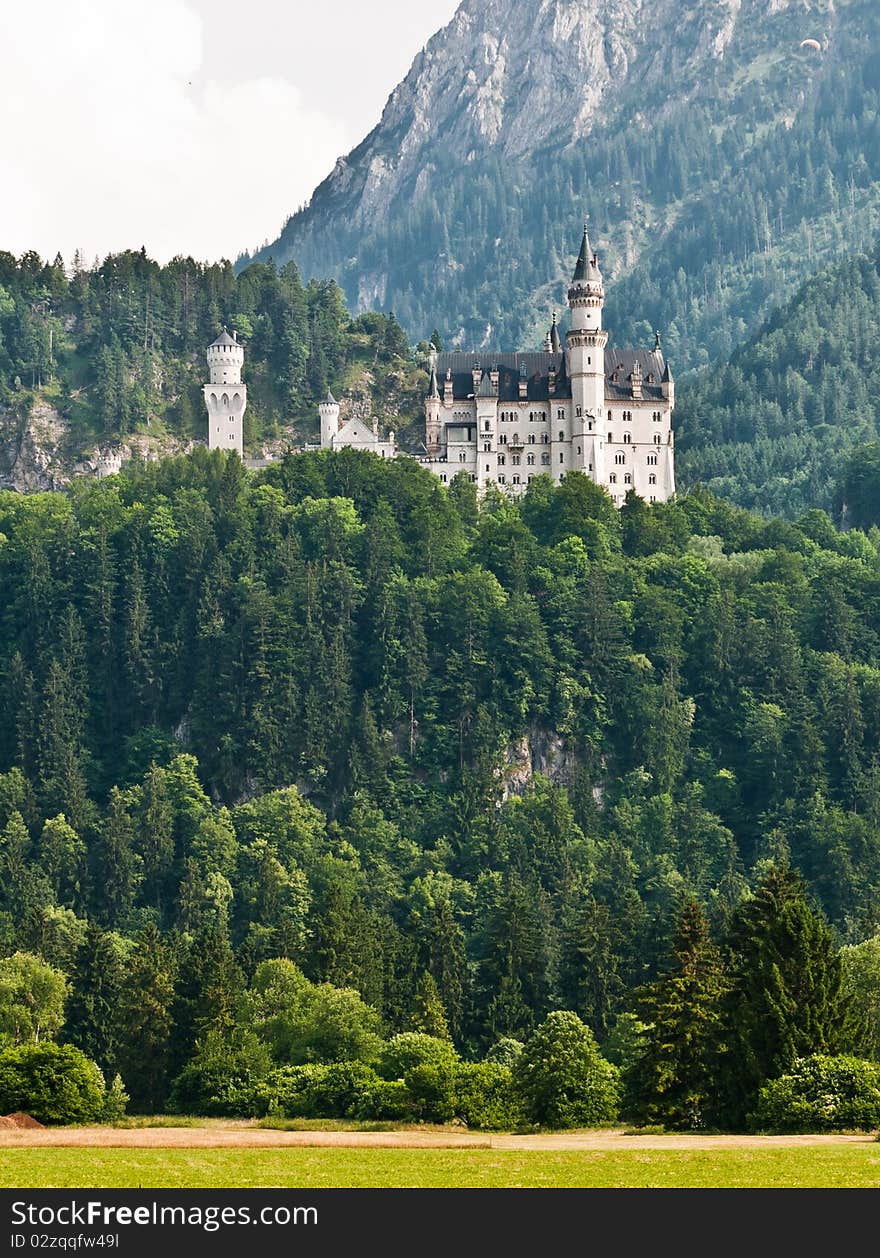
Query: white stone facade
[226, 396]
[355, 434]
[506, 418]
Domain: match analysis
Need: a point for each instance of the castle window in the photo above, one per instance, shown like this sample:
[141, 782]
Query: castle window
[611, 436]
[488, 469]
[443, 477]
[462, 458]
[561, 457]
[473, 477]
[578, 411]
[657, 438]
[502, 440]
[658, 417]
[487, 446]
[562, 436]
[515, 438]
[487, 427]
[590, 425]
[609, 417]
[516, 480]
[627, 417]
[502, 480]
[560, 414]
[516, 460]
[627, 438]
[652, 479]
[545, 459]
[612, 479]
[531, 460]
[620, 459]
[628, 480]
[579, 449]
[652, 460]
[544, 438]
[532, 438]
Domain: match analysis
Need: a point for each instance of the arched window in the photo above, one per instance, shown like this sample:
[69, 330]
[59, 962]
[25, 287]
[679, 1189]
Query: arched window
[657, 438]
[562, 436]
[652, 479]
[532, 438]
[620, 459]
[627, 438]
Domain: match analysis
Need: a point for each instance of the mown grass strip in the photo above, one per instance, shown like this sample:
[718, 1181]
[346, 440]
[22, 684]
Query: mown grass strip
[844, 1167]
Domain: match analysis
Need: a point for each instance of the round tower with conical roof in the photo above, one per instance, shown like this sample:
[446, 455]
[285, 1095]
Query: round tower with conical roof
[226, 395]
[585, 348]
[329, 412]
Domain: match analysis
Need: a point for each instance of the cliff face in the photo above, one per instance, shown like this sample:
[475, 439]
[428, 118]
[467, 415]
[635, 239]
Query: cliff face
[31, 448]
[522, 114]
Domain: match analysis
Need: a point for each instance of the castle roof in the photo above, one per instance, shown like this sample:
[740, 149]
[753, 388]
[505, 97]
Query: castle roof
[555, 342]
[486, 389]
[223, 339]
[536, 369]
[586, 268]
[329, 400]
[433, 389]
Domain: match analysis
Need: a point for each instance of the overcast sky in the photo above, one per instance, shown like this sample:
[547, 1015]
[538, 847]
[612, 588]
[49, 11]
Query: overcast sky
[187, 126]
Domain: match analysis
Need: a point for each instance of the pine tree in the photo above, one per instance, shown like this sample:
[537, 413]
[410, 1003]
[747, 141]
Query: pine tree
[145, 1021]
[672, 1082]
[93, 1009]
[786, 998]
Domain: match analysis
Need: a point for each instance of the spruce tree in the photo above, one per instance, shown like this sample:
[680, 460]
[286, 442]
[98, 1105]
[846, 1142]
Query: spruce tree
[672, 1082]
[93, 1009]
[786, 998]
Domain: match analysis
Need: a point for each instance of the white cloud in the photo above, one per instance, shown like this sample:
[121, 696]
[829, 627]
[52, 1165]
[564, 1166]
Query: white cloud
[113, 138]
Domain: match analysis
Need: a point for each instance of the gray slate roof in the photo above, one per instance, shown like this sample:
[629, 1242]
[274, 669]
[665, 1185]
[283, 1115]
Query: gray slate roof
[536, 368]
[223, 339]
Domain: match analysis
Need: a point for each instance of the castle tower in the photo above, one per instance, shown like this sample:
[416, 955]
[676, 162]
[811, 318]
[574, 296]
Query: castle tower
[433, 409]
[329, 412]
[586, 359]
[226, 396]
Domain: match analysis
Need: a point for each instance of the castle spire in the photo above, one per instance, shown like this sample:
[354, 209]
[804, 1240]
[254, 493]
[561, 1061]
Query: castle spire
[585, 256]
[555, 342]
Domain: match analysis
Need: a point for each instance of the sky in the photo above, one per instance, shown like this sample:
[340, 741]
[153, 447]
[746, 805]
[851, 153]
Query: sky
[186, 126]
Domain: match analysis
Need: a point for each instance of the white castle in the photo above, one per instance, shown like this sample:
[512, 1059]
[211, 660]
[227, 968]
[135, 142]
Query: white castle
[226, 396]
[503, 419]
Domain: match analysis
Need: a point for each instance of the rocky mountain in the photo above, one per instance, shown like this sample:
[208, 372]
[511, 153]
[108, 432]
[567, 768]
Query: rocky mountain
[723, 148]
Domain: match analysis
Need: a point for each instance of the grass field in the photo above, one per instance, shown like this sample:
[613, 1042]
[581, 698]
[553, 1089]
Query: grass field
[855, 1166]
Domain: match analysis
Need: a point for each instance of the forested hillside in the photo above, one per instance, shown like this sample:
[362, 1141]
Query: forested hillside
[119, 350]
[469, 762]
[774, 427]
[721, 162]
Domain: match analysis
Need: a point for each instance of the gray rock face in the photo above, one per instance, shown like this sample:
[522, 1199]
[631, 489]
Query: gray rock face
[512, 77]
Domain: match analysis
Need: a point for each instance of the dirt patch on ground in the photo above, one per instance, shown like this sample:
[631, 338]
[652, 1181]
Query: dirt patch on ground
[247, 1136]
[25, 1122]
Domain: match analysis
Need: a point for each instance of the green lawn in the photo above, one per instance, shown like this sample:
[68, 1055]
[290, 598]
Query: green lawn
[840, 1167]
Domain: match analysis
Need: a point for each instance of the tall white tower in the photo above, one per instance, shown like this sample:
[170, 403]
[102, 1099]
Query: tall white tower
[586, 360]
[226, 396]
[329, 412]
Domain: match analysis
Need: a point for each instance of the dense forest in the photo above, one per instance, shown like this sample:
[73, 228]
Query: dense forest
[335, 737]
[120, 347]
[775, 427]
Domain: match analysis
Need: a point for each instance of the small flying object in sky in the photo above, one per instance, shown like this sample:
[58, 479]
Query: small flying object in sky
[811, 43]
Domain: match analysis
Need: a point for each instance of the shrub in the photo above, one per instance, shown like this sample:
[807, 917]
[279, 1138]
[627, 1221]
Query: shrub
[431, 1086]
[562, 1079]
[485, 1097]
[220, 1079]
[411, 1049]
[505, 1052]
[821, 1093]
[54, 1083]
[389, 1099]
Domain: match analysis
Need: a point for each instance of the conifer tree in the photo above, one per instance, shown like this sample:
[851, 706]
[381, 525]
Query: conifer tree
[145, 1021]
[672, 1082]
[93, 1009]
[786, 997]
